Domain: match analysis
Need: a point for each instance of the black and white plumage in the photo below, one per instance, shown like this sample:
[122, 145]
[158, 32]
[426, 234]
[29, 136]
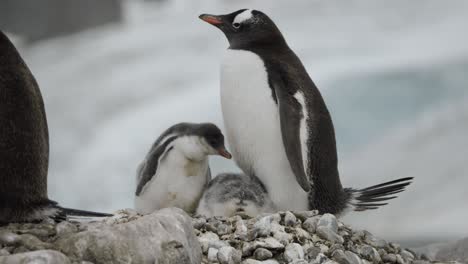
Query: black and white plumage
[24, 145]
[230, 194]
[277, 124]
[175, 171]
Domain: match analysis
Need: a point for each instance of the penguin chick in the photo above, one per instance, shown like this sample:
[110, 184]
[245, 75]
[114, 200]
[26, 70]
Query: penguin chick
[176, 170]
[231, 194]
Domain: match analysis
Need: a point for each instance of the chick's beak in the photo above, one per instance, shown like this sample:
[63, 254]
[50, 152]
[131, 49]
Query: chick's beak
[212, 19]
[223, 152]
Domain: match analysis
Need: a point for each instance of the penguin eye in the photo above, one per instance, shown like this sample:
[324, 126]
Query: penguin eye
[236, 25]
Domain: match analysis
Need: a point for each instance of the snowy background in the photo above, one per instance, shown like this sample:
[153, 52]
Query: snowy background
[393, 73]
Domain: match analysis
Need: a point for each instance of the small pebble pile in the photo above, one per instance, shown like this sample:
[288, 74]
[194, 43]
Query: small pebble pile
[172, 236]
[294, 237]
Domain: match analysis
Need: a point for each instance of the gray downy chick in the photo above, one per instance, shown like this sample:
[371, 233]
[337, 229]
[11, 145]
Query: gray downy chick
[231, 194]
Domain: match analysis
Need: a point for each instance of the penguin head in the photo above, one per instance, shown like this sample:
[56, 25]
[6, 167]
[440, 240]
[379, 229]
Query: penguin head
[246, 27]
[199, 140]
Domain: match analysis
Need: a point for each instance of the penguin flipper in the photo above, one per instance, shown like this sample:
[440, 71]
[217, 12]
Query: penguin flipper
[148, 169]
[292, 121]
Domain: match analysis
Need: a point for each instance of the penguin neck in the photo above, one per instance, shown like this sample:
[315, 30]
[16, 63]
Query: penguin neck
[189, 148]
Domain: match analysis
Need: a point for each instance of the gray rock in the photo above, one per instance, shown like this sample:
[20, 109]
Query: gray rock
[223, 229]
[329, 221]
[8, 238]
[293, 252]
[389, 258]
[346, 257]
[212, 255]
[165, 236]
[241, 229]
[400, 260]
[251, 261]
[211, 240]
[328, 234]
[262, 254]
[370, 253]
[310, 224]
[229, 255]
[374, 241]
[302, 235]
[39, 256]
[289, 219]
[64, 228]
[310, 251]
[4, 252]
[199, 223]
[408, 256]
[321, 258]
[299, 261]
[268, 243]
[303, 215]
[263, 226]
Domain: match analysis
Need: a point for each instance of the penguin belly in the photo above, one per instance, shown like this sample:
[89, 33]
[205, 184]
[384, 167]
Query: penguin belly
[252, 123]
[174, 185]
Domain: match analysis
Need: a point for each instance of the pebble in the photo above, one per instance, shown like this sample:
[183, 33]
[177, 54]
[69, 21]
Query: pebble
[263, 226]
[262, 254]
[321, 258]
[329, 221]
[8, 238]
[408, 256]
[65, 227]
[311, 251]
[370, 253]
[213, 255]
[389, 258]
[311, 224]
[303, 215]
[328, 234]
[229, 255]
[241, 230]
[345, 257]
[4, 252]
[293, 251]
[198, 223]
[289, 219]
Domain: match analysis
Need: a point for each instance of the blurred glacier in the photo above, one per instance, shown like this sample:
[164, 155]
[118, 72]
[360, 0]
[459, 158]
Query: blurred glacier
[394, 75]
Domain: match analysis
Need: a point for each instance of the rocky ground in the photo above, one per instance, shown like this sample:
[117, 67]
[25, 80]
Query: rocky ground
[171, 236]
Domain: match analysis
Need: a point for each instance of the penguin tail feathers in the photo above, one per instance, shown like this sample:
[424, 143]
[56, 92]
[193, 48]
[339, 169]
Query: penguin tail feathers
[375, 196]
[82, 213]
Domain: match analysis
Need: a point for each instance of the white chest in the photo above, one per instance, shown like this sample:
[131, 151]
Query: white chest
[178, 183]
[253, 128]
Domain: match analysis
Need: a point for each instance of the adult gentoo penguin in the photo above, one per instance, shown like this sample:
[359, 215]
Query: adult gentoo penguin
[176, 171]
[277, 124]
[230, 194]
[24, 145]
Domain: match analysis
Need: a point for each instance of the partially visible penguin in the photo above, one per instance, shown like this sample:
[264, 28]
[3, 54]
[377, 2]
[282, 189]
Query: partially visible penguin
[231, 194]
[24, 145]
[277, 124]
[176, 170]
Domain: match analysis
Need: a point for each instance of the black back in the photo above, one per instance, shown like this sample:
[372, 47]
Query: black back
[24, 139]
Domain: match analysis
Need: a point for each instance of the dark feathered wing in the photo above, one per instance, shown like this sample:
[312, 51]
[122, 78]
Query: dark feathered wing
[290, 113]
[148, 169]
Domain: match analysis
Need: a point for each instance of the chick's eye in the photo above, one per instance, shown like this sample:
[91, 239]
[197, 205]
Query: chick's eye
[236, 25]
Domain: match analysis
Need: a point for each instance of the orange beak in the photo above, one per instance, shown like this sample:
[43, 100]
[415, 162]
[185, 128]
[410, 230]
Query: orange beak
[223, 152]
[213, 20]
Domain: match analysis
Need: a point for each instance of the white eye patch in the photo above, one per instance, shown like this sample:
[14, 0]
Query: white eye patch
[246, 15]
